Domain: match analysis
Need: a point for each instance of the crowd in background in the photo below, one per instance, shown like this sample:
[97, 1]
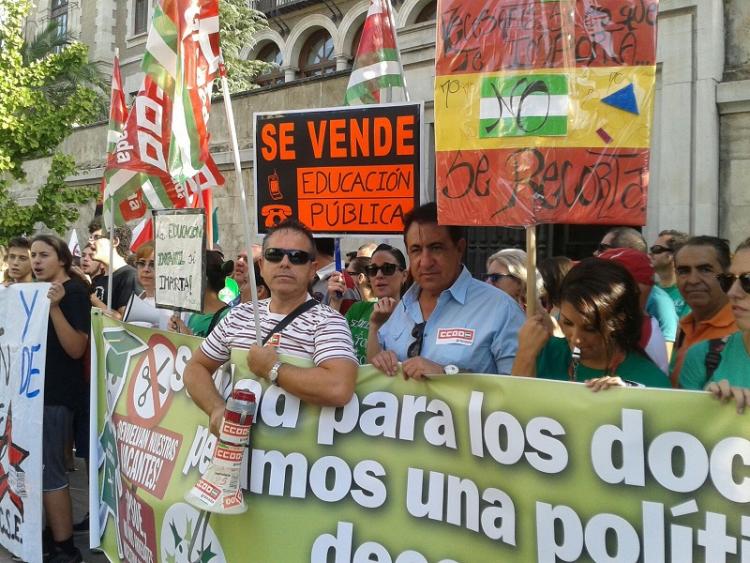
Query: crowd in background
[675, 313]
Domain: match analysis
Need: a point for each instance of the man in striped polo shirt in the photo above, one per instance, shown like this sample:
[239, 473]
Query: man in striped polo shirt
[319, 333]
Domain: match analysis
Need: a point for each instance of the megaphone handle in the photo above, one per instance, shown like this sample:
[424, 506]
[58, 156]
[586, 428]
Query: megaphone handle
[202, 521]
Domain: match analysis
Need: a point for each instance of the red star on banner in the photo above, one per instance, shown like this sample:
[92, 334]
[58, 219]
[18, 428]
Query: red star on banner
[16, 455]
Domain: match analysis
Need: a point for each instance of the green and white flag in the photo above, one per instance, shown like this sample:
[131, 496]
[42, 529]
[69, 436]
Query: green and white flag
[377, 65]
[527, 105]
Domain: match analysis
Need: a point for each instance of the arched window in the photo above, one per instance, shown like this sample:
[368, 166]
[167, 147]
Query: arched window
[270, 53]
[428, 13]
[317, 55]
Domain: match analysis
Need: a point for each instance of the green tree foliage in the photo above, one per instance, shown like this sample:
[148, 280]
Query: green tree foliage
[34, 119]
[238, 23]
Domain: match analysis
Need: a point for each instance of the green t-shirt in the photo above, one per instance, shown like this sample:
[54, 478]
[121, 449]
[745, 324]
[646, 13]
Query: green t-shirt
[734, 365]
[680, 306]
[358, 317]
[198, 323]
[555, 357]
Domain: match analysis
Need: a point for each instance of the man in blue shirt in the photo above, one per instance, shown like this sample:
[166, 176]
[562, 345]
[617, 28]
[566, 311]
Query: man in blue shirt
[447, 321]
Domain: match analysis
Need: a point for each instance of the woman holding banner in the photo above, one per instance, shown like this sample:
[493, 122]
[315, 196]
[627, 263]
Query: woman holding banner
[64, 385]
[601, 319]
[721, 365]
[388, 277]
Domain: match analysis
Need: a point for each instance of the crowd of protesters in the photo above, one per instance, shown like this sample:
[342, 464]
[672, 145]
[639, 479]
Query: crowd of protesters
[673, 314]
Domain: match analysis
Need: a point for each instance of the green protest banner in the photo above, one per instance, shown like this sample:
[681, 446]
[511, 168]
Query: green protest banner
[460, 468]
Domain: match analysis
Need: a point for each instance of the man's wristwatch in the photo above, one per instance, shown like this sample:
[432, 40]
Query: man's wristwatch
[273, 374]
[450, 369]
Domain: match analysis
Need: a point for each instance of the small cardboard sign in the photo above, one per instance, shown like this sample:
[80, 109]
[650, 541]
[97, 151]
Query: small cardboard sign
[180, 248]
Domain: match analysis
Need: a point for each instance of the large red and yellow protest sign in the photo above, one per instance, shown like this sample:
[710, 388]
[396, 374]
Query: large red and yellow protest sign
[458, 469]
[543, 111]
[353, 170]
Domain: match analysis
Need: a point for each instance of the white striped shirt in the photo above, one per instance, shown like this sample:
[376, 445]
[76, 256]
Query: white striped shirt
[318, 334]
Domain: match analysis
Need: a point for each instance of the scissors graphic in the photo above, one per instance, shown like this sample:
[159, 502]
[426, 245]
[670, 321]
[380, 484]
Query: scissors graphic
[146, 376]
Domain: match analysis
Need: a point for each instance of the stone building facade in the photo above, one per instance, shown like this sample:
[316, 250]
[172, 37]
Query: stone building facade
[701, 132]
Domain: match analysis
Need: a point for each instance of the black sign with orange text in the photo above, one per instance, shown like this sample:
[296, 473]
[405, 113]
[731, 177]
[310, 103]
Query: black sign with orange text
[349, 170]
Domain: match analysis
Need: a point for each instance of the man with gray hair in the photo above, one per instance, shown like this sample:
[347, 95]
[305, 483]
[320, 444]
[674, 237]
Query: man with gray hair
[662, 257]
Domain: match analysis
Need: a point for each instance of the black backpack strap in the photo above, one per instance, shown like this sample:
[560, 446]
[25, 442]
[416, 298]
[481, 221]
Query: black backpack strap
[283, 323]
[215, 319]
[713, 356]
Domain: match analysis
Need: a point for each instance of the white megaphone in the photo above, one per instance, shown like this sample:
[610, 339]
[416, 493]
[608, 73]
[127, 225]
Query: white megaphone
[218, 489]
[140, 313]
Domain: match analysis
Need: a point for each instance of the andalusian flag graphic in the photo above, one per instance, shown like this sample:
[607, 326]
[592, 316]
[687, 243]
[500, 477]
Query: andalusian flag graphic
[546, 117]
[518, 106]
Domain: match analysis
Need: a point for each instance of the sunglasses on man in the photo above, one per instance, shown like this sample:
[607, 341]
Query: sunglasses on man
[387, 269]
[417, 333]
[296, 257]
[659, 249]
[726, 281]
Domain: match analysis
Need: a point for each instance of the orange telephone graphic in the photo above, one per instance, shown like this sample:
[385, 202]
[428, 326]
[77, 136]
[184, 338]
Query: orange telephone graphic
[275, 214]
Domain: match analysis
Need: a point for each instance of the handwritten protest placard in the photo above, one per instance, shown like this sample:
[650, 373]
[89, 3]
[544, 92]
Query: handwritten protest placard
[24, 314]
[353, 170]
[179, 250]
[543, 111]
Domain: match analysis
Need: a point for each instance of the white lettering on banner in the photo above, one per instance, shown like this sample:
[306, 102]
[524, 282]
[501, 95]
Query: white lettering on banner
[689, 477]
[330, 478]
[459, 500]
[341, 545]
[463, 336]
[382, 417]
[561, 535]
[549, 454]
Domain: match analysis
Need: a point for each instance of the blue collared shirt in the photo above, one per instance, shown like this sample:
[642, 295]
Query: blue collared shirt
[474, 326]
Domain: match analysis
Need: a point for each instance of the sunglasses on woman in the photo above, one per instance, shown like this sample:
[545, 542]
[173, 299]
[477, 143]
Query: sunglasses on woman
[387, 269]
[494, 278]
[296, 257]
[726, 281]
[144, 263]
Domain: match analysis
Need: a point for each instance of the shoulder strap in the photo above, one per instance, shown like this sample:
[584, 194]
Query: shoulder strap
[713, 356]
[283, 323]
[215, 319]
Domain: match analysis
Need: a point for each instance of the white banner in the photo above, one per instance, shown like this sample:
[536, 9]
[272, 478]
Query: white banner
[180, 245]
[24, 311]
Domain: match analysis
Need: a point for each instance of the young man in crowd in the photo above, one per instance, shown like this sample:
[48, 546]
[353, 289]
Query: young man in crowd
[125, 277]
[19, 260]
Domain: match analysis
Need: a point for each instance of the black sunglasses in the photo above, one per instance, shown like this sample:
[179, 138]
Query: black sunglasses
[603, 247]
[143, 263]
[494, 278]
[388, 269]
[726, 281]
[659, 249]
[415, 348]
[296, 257]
